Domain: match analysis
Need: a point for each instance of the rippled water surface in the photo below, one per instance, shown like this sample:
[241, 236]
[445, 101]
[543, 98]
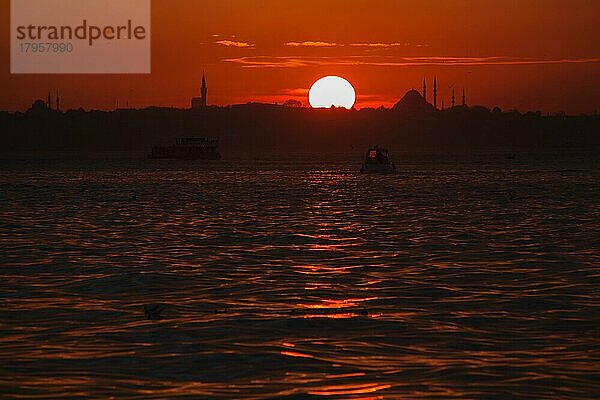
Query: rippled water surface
[456, 278]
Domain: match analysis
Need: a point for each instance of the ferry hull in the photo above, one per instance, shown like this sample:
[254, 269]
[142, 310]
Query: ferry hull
[191, 148]
[175, 153]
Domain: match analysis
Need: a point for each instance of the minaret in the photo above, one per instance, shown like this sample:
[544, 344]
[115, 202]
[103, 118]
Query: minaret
[57, 101]
[453, 98]
[203, 91]
[435, 92]
[49, 103]
[442, 104]
[424, 90]
[464, 103]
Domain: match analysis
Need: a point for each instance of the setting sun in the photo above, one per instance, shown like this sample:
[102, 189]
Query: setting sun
[332, 91]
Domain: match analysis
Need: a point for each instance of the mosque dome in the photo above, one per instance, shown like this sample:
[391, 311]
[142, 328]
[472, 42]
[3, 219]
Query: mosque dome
[413, 102]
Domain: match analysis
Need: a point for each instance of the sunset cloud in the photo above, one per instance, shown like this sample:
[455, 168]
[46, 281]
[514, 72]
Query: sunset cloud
[230, 43]
[386, 45]
[296, 91]
[379, 45]
[311, 44]
[387, 61]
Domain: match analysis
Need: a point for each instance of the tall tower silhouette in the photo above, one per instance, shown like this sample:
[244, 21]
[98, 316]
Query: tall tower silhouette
[203, 91]
[435, 92]
[424, 90]
[453, 98]
[49, 103]
[57, 101]
[464, 103]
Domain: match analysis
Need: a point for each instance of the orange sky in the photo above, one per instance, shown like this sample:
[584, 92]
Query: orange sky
[525, 54]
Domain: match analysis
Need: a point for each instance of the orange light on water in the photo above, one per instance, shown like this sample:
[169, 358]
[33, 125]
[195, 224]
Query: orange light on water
[338, 390]
[331, 316]
[335, 303]
[295, 354]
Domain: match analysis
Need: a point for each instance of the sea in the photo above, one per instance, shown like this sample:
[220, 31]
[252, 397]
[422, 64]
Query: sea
[464, 276]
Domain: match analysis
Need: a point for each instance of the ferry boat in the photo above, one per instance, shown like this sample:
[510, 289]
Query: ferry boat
[378, 161]
[192, 148]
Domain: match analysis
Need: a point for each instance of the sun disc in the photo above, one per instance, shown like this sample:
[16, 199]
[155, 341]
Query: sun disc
[331, 91]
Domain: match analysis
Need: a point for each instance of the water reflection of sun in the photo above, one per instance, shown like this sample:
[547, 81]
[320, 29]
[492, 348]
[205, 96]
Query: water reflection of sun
[337, 303]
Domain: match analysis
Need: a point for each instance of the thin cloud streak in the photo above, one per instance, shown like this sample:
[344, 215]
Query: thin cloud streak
[295, 92]
[386, 45]
[311, 44]
[391, 61]
[318, 43]
[230, 43]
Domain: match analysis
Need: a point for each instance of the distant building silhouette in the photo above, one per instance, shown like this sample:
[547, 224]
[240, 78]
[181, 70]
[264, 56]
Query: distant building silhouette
[49, 102]
[453, 98]
[424, 90]
[435, 92]
[199, 103]
[203, 91]
[413, 104]
[38, 106]
[464, 103]
[57, 101]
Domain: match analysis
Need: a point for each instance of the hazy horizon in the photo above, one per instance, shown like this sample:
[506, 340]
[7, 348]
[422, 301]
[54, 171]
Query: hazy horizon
[183, 107]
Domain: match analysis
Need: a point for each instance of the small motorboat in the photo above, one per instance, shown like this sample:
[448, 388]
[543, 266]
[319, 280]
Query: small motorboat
[377, 161]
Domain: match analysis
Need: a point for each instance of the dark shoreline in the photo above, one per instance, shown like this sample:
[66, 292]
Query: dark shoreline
[262, 129]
